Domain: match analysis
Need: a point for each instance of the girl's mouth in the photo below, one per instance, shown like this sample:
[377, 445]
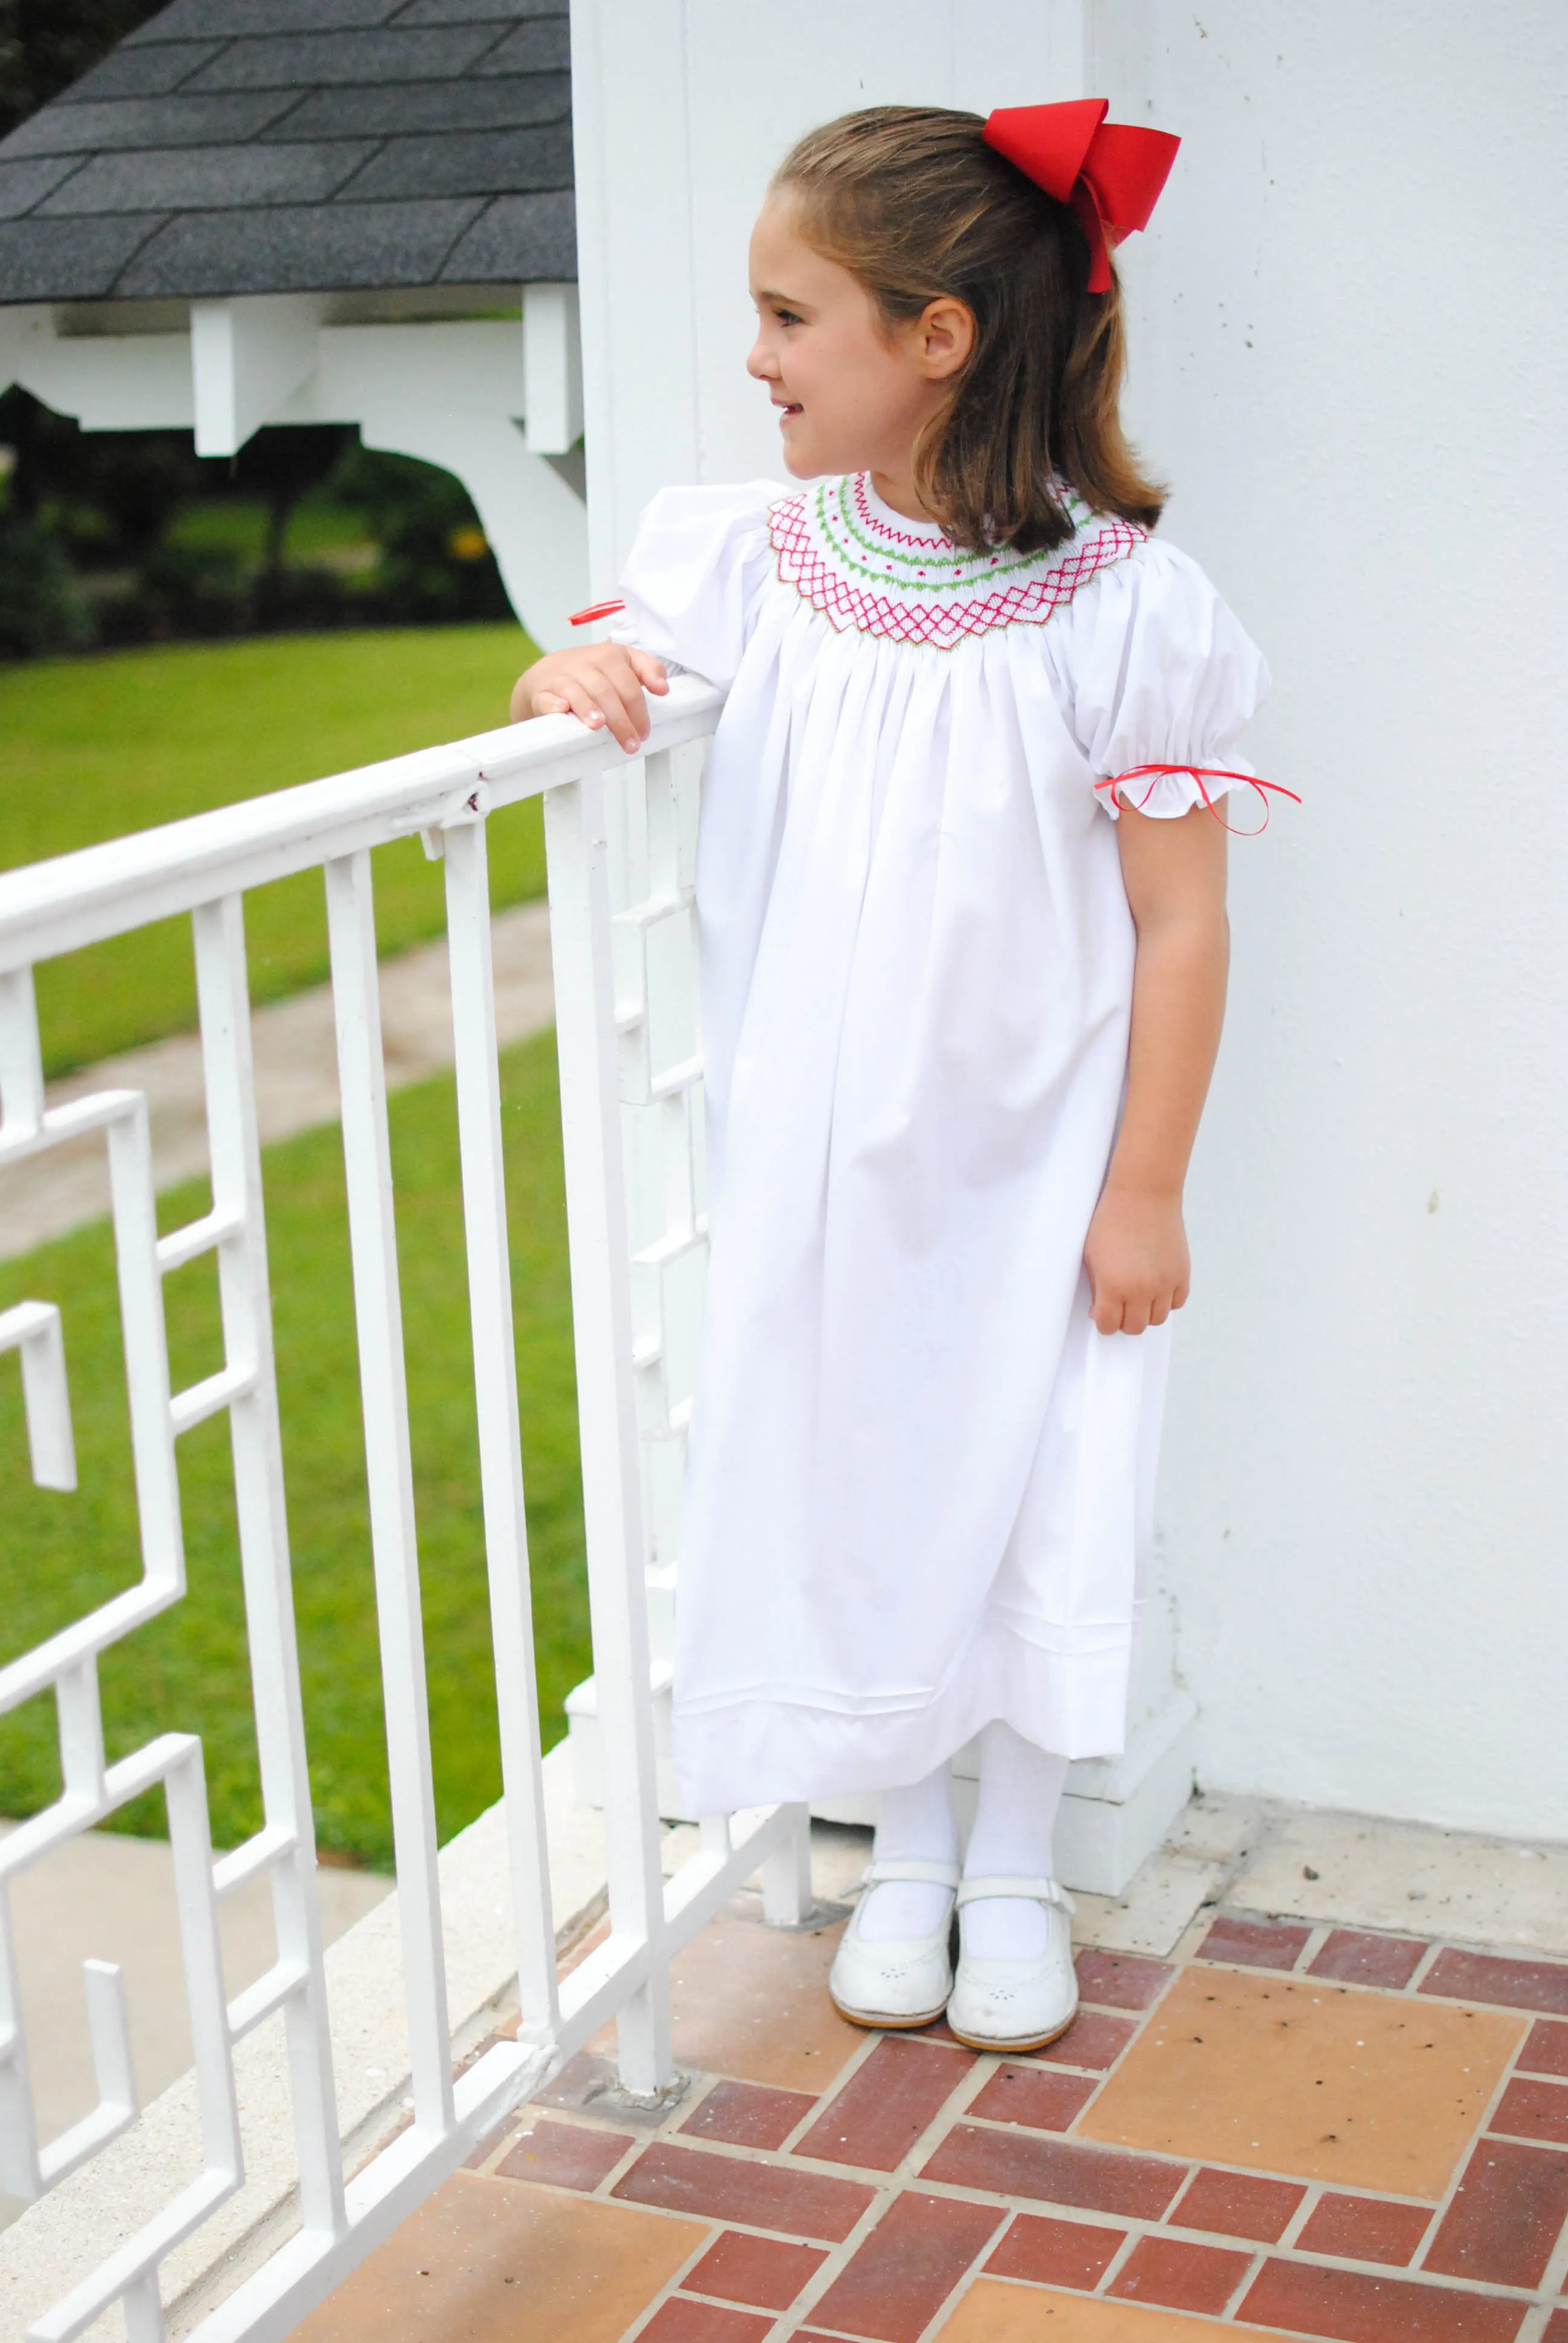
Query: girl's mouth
[787, 411]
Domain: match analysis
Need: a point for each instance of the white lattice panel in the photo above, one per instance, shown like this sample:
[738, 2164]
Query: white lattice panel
[68, 1662]
[653, 811]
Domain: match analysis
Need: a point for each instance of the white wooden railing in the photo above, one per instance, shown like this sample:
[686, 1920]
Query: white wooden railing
[620, 839]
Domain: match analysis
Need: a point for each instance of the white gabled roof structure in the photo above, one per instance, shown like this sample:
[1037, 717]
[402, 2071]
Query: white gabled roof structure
[312, 211]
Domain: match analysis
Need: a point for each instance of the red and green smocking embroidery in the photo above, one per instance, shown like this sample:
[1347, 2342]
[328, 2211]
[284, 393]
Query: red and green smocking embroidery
[866, 576]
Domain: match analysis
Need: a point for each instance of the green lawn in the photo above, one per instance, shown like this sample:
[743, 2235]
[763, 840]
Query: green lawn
[92, 747]
[318, 531]
[188, 1671]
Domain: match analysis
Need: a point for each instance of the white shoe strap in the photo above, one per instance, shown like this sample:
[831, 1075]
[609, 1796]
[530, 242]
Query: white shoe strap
[910, 1867]
[1034, 1891]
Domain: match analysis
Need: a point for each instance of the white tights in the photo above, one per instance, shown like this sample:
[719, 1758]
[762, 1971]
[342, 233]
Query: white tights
[1020, 1790]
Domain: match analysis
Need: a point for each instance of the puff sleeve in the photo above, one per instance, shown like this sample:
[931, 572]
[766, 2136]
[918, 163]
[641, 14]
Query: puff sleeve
[699, 557]
[1152, 667]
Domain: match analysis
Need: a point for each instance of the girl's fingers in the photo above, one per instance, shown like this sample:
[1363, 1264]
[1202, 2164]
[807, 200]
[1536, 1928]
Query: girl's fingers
[619, 697]
[1133, 1313]
[604, 690]
[626, 716]
[601, 708]
[578, 700]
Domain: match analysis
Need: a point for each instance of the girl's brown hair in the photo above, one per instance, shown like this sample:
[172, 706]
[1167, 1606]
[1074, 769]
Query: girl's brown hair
[912, 201]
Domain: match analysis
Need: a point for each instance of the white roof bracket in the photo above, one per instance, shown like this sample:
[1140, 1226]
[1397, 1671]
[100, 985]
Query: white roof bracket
[247, 358]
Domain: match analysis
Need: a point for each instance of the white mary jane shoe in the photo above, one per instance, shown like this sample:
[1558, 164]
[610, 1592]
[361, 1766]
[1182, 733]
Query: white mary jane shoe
[903, 1980]
[1017, 2004]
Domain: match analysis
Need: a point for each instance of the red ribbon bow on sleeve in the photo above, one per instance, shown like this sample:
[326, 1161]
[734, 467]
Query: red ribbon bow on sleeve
[1110, 171]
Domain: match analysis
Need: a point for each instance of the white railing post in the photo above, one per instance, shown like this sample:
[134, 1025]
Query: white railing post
[237, 1223]
[576, 840]
[21, 1058]
[34, 1329]
[495, 1396]
[787, 1874]
[389, 1471]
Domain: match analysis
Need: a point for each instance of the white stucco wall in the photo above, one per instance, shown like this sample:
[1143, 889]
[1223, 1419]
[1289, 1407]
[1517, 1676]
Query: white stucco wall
[1350, 360]
[681, 109]
[1348, 355]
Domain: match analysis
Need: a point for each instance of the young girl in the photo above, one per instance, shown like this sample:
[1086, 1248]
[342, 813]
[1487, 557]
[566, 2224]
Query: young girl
[961, 907]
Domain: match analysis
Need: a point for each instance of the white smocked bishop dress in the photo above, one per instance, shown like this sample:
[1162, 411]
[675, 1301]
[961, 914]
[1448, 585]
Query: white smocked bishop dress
[919, 1482]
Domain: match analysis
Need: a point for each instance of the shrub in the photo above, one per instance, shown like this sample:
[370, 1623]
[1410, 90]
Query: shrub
[42, 606]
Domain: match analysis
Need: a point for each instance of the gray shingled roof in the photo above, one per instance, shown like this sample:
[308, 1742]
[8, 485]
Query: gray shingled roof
[300, 146]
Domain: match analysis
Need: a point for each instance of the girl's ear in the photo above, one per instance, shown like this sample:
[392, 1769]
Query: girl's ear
[946, 336]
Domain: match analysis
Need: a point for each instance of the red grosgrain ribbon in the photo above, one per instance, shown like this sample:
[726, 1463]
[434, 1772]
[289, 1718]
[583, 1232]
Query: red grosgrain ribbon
[1198, 773]
[1110, 171]
[595, 611]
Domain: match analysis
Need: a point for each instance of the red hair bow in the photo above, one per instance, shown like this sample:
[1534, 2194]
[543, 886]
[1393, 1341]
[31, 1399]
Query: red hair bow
[1110, 171]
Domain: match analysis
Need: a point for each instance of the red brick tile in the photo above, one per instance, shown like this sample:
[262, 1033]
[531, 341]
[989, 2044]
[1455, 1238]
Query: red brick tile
[718, 2188]
[566, 2155]
[762, 2271]
[1534, 2111]
[898, 2280]
[886, 2103]
[680, 2321]
[1556, 2327]
[1505, 2219]
[1120, 1980]
[1234, 2204]
[749, 2115]
[1095, 2039]
[1179, 2277]
[1506, 1983]
[1355, 1956]
[1366, 2229]
[1056, 2253]
[939, 2030]
[1546, 2050]
[1254, 1944]
[1033, 2095]
[1352, 2308]
[1059, 2171]
[488, 2146]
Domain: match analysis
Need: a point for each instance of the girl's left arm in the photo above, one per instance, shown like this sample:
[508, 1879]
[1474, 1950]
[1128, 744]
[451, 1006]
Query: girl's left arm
[1136, 1251]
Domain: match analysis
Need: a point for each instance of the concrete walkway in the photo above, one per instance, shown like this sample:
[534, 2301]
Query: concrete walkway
[296, 1075]
[107, 1897]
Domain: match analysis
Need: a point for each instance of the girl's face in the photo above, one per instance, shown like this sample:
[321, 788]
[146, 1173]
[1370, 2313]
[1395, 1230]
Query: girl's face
[852, 393]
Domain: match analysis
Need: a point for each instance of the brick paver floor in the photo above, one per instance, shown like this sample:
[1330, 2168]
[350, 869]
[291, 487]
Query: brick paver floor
[1284, 2131]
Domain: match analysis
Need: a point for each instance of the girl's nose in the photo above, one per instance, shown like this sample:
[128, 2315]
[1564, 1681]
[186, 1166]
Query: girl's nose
[760, 365]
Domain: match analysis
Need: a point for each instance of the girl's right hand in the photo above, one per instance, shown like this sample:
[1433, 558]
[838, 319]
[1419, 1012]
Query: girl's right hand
[603, 684]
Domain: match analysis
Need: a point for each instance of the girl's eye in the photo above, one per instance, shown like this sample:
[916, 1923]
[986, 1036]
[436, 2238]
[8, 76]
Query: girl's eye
[786, 316]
